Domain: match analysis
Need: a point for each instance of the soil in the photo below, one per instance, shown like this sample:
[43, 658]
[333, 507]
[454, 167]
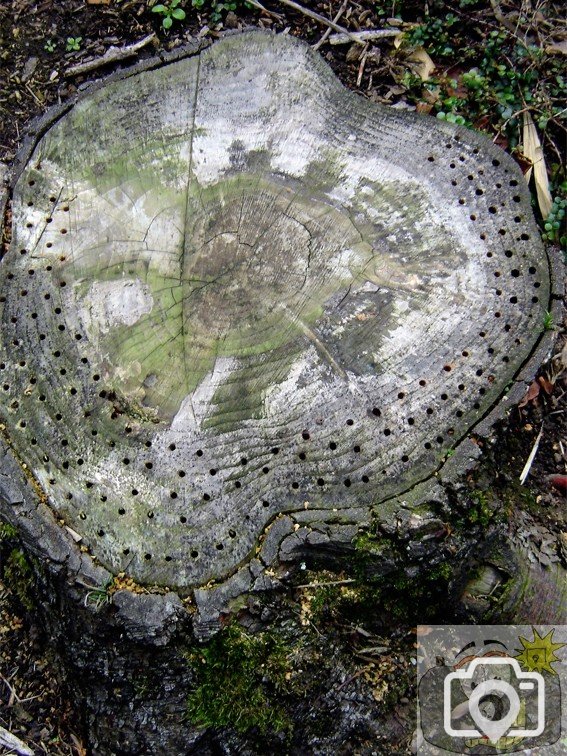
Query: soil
[36, 41]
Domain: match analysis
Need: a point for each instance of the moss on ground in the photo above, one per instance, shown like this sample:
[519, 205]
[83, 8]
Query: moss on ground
[238, 677]
[18, 575]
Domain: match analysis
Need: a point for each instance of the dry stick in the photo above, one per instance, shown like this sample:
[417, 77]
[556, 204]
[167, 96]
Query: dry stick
[362, 36]
[526, 471]
[328, 582]
[258, 5]
[8, 740]
[14, 698]
[361, 67]
[320, 19]
[112, 55]
[325, 36]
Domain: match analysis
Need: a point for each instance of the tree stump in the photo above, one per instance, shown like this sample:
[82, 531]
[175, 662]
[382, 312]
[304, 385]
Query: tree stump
[245, 312]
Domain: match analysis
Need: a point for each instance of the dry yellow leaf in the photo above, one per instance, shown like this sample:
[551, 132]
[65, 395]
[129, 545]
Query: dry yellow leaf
[533, 151]
[421, 63]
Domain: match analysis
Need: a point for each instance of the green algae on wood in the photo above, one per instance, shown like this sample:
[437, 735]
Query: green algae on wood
[236, 291]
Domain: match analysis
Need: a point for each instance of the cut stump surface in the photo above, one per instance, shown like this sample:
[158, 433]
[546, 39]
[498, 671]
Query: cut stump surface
[243, 308]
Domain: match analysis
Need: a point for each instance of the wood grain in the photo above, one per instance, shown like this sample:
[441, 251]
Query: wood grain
[236, 291]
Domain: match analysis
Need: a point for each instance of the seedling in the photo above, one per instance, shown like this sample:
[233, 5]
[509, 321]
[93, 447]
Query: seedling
[50, 46]
[73, 44]
[548, 324]
[169, 12]
[99, 595]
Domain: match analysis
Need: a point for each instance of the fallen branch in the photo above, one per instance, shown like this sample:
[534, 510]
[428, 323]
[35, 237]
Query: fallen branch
[336, 19]
[362, 36]
[112, 55]
[320, 19]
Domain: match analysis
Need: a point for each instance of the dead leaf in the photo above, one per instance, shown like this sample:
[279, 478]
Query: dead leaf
[424, 108]
[533, 150]
[546, 385]
[531, 394]
[557, 48]
[421, 63]
[398, 39]
[525, 164]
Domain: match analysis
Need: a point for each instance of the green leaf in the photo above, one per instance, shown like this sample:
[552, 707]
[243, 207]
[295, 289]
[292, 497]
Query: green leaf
[159, 9]
[179, 14]
[166, 23]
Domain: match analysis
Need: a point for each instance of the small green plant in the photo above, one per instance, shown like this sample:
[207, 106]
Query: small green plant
[73, 44]
[435, 34]
[98, 596]
[548, 324]
[50, 46]
[555, 223]
[217, 8]
[480, 512]
[7, 531]
[237, 675]
[169, 12]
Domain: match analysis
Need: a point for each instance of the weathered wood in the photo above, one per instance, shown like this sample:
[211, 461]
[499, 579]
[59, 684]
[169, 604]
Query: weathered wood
[244, 313]
[235, 290]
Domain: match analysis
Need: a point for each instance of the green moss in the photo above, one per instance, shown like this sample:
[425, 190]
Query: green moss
[237, 677]
[481, 512]
[19, 577]
[7, 531]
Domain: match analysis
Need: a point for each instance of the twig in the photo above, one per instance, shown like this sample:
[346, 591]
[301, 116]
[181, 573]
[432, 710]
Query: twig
[499, 16]
[350, 679]
[361, 67]
[320, 19]
[14, 698]
[7, 740]
[328, 582]
[527, 467]
[362, 36]
[112, 55]
[258, 5]
[325, 36]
